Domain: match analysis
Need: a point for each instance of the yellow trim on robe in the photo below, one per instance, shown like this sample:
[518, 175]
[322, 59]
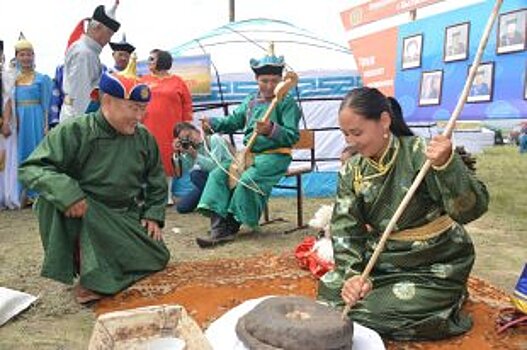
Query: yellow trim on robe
[519, 300]
[426, 231]
[281, 150]
[444, 166]
[27, 103]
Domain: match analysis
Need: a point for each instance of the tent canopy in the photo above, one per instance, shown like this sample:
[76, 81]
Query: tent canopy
[326, 73]
[233, 45]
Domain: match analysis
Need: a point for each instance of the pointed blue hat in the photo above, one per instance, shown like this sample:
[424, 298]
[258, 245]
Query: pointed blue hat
[269, 64]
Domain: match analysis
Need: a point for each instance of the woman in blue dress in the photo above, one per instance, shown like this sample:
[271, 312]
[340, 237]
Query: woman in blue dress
[26, 111]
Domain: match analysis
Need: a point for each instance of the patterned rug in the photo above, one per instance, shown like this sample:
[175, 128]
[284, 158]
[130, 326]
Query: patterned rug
[207, 289]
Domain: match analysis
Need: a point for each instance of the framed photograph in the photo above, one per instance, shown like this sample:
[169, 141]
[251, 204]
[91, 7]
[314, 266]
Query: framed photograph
[511, 31]
[456, 42]
[412, 49]
[430, 88]
[483, 84]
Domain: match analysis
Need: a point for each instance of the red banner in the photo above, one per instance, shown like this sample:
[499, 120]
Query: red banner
[375, 55]
[375, 10]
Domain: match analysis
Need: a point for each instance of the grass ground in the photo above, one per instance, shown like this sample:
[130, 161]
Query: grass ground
[57, 322]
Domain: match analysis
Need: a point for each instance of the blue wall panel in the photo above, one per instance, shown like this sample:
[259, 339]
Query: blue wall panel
[509, 69]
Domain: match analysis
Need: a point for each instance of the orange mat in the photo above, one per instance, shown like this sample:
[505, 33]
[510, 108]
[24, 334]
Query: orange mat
[207, 289]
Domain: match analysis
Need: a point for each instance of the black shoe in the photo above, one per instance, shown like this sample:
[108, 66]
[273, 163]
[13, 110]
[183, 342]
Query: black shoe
[232, 225]
[210, 242]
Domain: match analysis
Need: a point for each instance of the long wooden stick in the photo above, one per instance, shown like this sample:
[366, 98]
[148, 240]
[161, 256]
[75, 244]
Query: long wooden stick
[266, 116]
[426, 166]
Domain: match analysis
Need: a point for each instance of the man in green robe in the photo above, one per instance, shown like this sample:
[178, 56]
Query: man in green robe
[228, 209]
[102, 194]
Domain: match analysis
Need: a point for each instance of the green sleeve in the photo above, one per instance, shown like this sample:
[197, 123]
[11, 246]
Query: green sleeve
[219, 153]
[207, 158]
[348, 233]
[187, 162]
[156, 185]
[49, 170]
[464, 197]
[285, 130]
[205, 163]
[234, 121]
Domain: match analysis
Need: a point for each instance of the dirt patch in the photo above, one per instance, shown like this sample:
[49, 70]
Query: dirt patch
[208, 289]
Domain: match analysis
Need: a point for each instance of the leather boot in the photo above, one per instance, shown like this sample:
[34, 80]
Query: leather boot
[233, 226]
[218, 226]
[219, 233]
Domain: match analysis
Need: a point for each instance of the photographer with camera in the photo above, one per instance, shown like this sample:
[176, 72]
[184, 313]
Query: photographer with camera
[192, 154]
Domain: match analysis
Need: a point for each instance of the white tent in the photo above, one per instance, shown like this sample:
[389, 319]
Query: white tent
[326, 73]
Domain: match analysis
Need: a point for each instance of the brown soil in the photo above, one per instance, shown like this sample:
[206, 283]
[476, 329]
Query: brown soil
[207, 289]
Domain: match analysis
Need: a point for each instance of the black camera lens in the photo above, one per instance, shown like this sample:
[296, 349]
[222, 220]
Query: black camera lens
[185, 143]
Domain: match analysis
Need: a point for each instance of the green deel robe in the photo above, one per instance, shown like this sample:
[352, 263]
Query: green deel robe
[123, 181]
[245, 204]
[418, 286]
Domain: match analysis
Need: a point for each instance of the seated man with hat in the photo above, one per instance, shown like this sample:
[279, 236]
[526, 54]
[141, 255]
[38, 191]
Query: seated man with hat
[121, 54]
[102, 194]
[228, 209]
[82, 65]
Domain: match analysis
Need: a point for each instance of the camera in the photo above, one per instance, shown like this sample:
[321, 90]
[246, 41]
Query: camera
[186, 143]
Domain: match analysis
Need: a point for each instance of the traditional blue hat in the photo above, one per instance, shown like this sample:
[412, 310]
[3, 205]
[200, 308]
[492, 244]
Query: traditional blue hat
[124, 87]
[269, 64]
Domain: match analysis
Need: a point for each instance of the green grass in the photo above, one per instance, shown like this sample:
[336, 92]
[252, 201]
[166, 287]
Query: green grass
[504, 171]
[500, 236]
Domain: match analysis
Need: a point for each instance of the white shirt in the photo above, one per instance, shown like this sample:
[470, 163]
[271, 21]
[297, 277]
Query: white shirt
[82, 72]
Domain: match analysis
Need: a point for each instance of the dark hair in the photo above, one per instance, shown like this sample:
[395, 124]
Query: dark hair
[179, 127]
[370, 103]
[398, 126]
[164, 59]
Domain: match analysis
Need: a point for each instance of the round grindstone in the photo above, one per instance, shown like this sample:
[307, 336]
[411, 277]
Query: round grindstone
[294, 323]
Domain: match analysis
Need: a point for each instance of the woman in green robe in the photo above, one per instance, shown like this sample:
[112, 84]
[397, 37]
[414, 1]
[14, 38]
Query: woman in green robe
[418, 286]
[102, 195]
[228, 209]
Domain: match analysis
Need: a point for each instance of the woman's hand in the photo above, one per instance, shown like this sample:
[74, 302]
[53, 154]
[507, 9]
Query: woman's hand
[355, 289]
[439, 150]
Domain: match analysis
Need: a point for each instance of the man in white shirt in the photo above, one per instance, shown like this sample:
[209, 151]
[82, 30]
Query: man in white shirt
[82, 65]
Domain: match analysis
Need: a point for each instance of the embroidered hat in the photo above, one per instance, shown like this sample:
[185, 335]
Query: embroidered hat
[124, 87]
[122, 45]
[106, 18]
[269, 64]
[23, 43]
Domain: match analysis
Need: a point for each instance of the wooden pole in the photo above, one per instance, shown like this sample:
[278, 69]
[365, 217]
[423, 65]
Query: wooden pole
[426, 166]
[231, 11]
